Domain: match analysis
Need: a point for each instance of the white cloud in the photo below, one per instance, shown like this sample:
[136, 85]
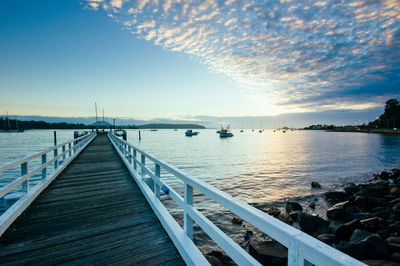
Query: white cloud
[284, 51]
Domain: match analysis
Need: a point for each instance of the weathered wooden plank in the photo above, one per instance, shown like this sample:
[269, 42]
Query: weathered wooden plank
[93, 213]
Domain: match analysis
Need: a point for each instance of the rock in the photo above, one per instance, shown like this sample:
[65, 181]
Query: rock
[312, 205]
[274, 211]
[383, 233]
[374, 190]
[355, 250]
[396, 208]
[269, 253]
[249, 233]
[393, 247]
[393, 202]
[237, 220]
[396, 257]
[338, 211]
[382, 212]
[371, 224]
[334, 226]
[393, 240]
[395, 191]
[382, 175]
[225, 260]
[293, 206]
[376, 248]
[359, 234]
[310, 224]
[336, 196]
[284, 217]
[214, 261]
[351, 188]
[395, 173]
[364, 203]
[315, 184]
[344, 231]
[359, 216]
[371, 247]
[327, 238]
[380, 262]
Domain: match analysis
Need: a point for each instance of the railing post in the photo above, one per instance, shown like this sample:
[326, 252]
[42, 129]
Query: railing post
[56, 161]
[130, 154]
[69, 148]
[156, 186]
[44, 170]
[24, 171]
[134, 159]
[63, 150]
[187, 220]
[143, 161]
[294, 258]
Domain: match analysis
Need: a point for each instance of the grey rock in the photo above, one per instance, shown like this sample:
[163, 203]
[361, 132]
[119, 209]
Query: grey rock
[274, 211]
[338, 211]
[309, 223]
[336, 196]
[351, 188]
[269, 253]
[315, 184]
[359, 235]
[327, 238]
[293, 206]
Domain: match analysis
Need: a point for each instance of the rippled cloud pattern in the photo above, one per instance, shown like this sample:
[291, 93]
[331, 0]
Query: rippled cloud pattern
[299, 54]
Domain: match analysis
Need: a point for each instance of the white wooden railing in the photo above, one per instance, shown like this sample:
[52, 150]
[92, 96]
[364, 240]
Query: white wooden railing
[302, 248]
[69, 150]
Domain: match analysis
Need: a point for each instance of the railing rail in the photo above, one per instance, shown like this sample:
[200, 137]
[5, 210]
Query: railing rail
[69, 150]
[302, 248]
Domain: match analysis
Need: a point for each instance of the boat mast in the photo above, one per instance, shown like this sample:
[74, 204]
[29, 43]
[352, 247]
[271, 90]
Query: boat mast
[95, 106]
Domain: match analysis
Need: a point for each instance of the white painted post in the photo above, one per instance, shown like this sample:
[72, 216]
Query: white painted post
[187, 220]
[44, 170]
[63, 150]
[143, 161]
[69, 148]
[156, 186]
[24, 171]
[134, 161]
[56, 161]
[294, 258]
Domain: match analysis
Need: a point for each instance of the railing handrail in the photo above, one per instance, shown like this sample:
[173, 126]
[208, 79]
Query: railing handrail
[301, 246]
[12, 213]
[17, 162]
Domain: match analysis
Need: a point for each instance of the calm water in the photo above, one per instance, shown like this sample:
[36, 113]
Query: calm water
[255, 167]
[258, 168]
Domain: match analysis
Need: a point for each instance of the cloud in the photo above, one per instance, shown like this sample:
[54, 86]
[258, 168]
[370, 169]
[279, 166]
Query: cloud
[292, 53]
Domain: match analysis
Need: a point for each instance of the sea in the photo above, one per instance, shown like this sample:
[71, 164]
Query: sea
[261, 169]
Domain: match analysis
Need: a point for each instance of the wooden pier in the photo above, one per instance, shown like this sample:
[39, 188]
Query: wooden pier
[93, 213]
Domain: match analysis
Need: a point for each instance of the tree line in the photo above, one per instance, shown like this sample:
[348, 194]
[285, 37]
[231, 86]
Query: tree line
[390, 118]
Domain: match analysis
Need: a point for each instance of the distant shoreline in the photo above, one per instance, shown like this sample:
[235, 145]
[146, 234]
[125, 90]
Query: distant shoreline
[374, 131]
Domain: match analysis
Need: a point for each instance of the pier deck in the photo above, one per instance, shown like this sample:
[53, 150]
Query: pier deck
[93, 213]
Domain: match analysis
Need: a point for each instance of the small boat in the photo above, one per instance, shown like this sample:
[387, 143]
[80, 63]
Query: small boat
[153, 129]
[225, 133]
[241, 130]
[190, 133]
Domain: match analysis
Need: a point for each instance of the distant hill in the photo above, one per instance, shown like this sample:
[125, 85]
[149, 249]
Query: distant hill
[171, 126]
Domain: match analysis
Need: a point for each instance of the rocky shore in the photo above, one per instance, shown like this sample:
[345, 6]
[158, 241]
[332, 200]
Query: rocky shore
[362, 220]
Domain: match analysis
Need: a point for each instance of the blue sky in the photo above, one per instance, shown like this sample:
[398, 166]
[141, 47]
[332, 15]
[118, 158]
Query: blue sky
[187, 59]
